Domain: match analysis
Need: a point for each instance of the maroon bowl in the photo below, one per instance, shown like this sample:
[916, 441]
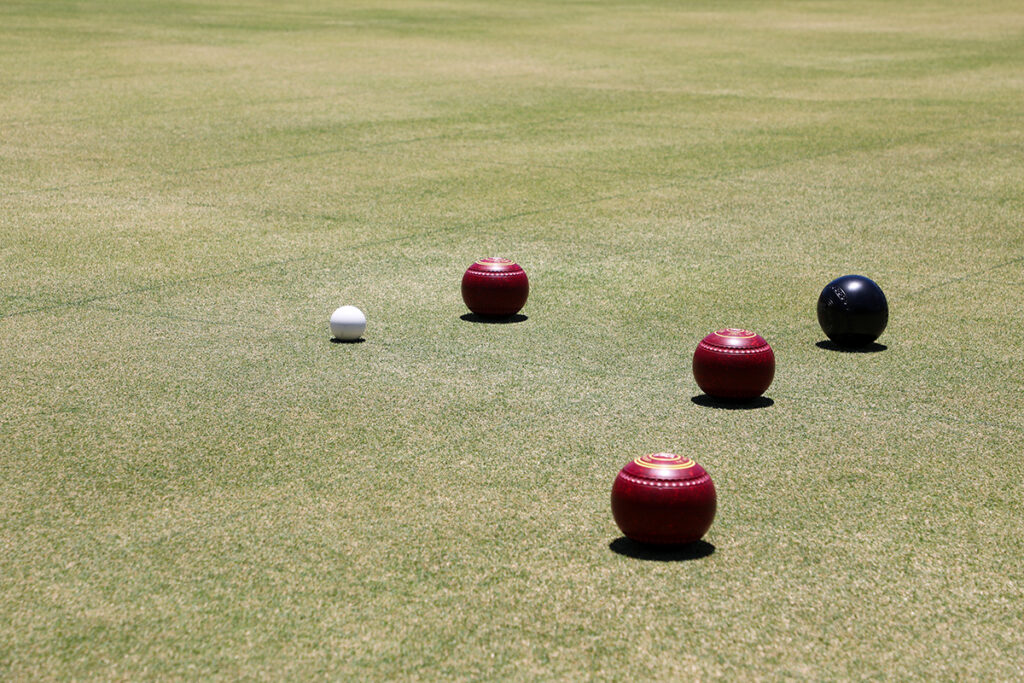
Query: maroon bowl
[495, 286]
[733, 364]
[663, 499]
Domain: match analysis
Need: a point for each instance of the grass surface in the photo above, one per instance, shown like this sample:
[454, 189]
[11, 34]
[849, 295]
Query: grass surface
[195, 482]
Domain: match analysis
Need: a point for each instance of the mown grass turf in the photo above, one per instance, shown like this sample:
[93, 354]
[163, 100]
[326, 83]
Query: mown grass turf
[195, 482]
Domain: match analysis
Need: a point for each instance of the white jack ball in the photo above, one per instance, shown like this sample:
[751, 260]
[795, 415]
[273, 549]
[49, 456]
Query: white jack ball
[348, 323]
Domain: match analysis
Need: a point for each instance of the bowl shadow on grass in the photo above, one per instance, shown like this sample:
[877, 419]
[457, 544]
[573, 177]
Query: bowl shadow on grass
[335, 340]
[829, 345]
[733, 404]
[494, 319]
[654, 553]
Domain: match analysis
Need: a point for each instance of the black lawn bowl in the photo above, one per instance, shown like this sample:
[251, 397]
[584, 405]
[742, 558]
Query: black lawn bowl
[853, 311]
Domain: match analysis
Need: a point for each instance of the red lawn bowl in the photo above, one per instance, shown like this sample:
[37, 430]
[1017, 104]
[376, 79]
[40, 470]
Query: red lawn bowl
[733, 364]
[495, 287]
[664, 499]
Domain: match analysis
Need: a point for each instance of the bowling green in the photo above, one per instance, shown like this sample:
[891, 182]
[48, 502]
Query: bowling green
[196, 483]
